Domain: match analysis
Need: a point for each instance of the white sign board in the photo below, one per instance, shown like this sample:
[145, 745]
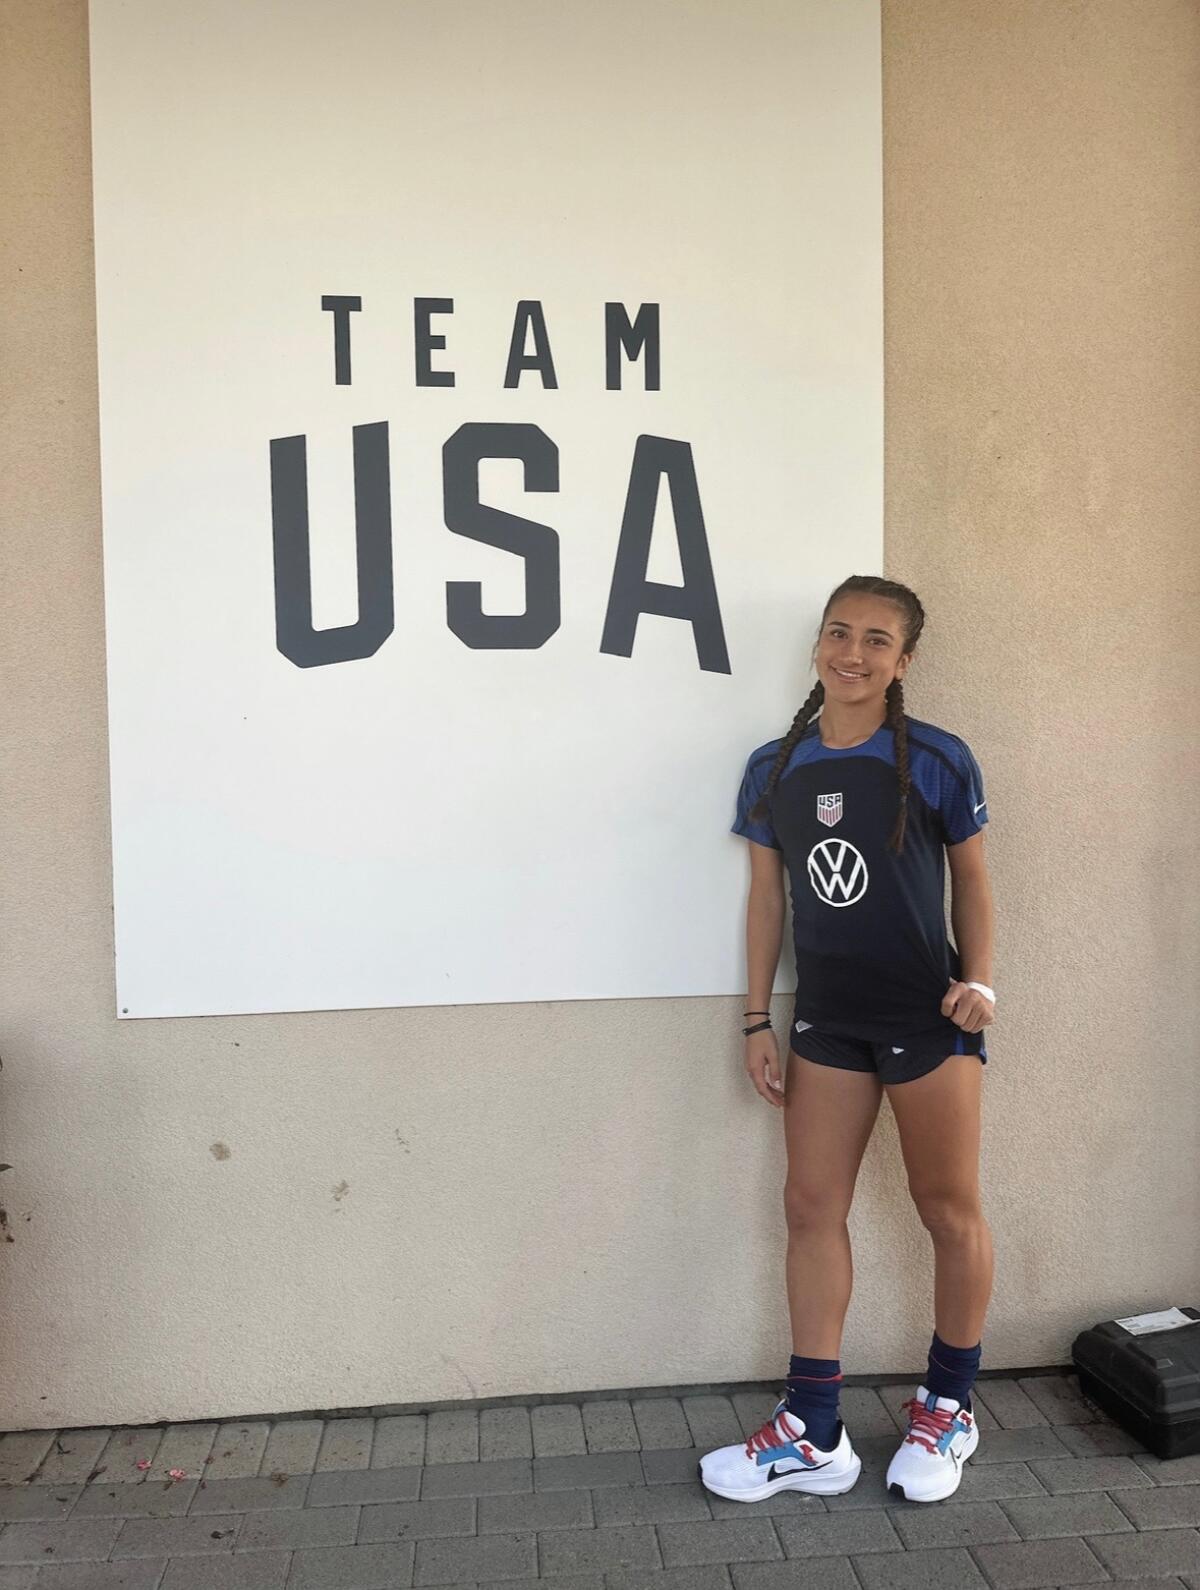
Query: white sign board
[490, 395]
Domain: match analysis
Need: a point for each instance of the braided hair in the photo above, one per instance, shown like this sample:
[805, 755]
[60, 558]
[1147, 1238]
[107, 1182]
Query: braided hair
[913, 620]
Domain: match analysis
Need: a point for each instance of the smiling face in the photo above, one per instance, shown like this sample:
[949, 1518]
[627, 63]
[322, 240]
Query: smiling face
[860, 649]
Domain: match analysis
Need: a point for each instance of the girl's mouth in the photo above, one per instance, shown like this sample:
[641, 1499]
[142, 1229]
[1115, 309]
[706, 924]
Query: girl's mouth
[849, 677]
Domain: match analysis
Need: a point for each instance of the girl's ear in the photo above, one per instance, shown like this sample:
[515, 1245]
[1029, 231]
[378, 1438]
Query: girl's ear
[902, 665]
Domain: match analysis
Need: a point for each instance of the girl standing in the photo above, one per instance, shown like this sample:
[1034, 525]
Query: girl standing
[861, 805]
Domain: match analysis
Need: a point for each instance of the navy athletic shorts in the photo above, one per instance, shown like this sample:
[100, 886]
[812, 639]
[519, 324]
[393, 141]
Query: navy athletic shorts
[915, 1055]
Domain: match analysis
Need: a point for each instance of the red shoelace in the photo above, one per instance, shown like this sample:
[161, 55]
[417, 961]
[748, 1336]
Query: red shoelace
[774, 1433]
[926, 1426]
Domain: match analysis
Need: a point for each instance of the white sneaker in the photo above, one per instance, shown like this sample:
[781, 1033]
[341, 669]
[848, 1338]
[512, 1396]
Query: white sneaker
[777, 1458]
[941, 1436]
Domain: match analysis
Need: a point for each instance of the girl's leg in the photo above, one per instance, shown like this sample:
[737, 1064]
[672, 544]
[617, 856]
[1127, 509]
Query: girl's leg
[938, 1119]
[828, 1117]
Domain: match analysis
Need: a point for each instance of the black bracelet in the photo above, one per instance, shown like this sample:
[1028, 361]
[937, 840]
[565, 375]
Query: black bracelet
[756, 1012]
[763, 1026]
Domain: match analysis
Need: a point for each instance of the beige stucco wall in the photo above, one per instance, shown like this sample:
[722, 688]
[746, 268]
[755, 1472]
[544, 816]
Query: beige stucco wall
[435, 1204]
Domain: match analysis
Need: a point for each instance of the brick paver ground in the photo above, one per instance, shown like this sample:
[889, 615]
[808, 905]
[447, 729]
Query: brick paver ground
[596, 1493]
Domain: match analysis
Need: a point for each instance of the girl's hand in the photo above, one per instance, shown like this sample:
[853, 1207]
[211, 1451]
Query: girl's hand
[762, 1067]
[968, 1008]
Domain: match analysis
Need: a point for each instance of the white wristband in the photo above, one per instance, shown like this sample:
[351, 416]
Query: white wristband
[983, 988]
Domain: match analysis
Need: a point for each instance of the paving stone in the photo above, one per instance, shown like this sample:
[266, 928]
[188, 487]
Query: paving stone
[591, 1472]
[671, 1467]
[499, 1515]
[183, 1446]
[89, 1539]
[1022, 1445]
[826, 1573]
[609, 1427]
[73, 1456]
[505, 1433]
[20, 1578]
[503, 1477]
[921, 1526]
[948, 1569]
[864, 1414]
[152, 1499]
[292, 1447]
[399, 1442]
[1077, 1513]
[557, 1430]
[712, 1421]
[641, 1504]
[238, 1450]
[1097, 1440]
[1039, 1564]
[721, 1541]
[587, 1550]
[1058, 1397]
[346, 1444]
[838, 1534]
[349, 1486]
[141, 1575]
[124, 1450]
[377, 1567]
[753, 1409]
[572, 1581]
[1009, 1404]
[470, 1561]
[252, 1494]
[996, 1482]
[1169, 1471]
[173, 1537]
[244, 1570]
[19, 1503]
[1152, 1555]
[660, 1423]
[1161, 1507]
[295, 1529]
[22, 1452]
[454, 1515]
[784, 1504]
[984, 1417]
[715, 1576]
[1060, 1476]
[452, 1437]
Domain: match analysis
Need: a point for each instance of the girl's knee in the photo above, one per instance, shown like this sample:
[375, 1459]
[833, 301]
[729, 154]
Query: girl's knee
[808, 1208]
[949, 1214]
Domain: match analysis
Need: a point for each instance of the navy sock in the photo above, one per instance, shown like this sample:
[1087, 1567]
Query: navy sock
[952, 1370]
[813, 1386]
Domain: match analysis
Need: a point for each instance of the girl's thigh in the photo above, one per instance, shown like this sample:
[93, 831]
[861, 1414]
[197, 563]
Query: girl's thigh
[938, 1118]
[828, 1118]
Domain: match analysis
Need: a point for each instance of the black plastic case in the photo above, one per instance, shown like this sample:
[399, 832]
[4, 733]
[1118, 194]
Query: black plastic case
[1150, 1384]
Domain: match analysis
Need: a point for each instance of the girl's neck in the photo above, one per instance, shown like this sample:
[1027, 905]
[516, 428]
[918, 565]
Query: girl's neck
[841, 726]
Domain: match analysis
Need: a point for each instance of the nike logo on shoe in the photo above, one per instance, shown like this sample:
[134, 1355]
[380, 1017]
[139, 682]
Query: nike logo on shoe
[776, 1473]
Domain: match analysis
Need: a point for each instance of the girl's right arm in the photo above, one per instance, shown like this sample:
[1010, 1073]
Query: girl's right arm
[764, 939]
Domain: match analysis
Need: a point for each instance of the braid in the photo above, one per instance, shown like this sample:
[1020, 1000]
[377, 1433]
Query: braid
[898, 723]
[800, 722]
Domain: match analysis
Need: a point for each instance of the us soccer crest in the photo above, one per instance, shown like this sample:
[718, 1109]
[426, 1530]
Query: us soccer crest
[829, 809]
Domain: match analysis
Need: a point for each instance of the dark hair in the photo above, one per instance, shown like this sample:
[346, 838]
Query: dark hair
[913, 617]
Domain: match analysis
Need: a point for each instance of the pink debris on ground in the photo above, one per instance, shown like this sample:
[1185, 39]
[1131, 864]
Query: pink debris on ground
[143, 1463]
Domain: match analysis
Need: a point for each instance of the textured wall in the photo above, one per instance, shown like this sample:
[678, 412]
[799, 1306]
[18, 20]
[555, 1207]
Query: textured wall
[230, 1215]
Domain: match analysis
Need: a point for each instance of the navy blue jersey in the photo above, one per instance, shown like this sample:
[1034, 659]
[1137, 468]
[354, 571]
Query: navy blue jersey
[872, 956]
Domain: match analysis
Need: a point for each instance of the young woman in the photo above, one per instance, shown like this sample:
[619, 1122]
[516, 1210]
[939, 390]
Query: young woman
[861, 805]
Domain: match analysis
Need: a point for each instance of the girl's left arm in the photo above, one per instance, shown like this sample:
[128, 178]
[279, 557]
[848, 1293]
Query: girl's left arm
[971, 919]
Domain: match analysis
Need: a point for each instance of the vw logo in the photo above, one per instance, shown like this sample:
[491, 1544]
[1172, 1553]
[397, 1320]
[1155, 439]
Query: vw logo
[837, 872]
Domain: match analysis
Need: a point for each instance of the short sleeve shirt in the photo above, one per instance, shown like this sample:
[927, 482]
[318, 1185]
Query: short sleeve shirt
[873, 959]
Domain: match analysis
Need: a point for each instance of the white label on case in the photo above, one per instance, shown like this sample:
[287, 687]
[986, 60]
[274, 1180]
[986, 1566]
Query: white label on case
[1167, 1319]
